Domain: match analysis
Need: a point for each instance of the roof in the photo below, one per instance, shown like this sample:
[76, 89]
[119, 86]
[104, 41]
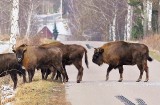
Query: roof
[61, 27]
[45, 32]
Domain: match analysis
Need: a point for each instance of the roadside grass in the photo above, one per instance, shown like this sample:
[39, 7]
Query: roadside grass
[155, 55]
[153, 42]
[41, 92]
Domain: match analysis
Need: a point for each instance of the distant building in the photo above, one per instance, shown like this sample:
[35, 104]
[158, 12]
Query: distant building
[48, 21]
[45, 33]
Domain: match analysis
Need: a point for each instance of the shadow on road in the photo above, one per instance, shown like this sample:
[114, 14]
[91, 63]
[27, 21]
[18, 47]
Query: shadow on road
[125, 100]
[140, 101]
[128, 102]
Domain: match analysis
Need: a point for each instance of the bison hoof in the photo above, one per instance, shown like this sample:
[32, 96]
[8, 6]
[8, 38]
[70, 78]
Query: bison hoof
[119, 80]
[78, 81]
[107, 78]
[67, 79]
[138, 80]
[146, 81]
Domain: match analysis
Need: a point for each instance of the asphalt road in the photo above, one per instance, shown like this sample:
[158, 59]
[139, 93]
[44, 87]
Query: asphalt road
[94, 90]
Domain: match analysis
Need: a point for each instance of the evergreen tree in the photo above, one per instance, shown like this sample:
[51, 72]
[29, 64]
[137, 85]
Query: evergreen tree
[55, 32]
[137, 29]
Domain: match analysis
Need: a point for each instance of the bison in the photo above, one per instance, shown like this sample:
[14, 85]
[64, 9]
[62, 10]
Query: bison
[72, 54]
[9, 65]
[40, 57]
[119, 53]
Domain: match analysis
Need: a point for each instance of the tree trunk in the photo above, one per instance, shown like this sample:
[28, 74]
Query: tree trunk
[145, 21]
[129, 23]
[159, 17]
[149, 12]
[30, 13]
[110, 32]
[114, 27]
[147, 26]
[14, 24]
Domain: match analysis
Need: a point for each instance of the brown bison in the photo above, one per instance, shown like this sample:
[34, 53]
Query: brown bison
[119, 53]
[9, 65]
[40, 57]
[72, 54]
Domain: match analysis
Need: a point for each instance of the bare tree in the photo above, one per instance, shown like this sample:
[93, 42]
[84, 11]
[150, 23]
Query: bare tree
[129, 19]
[102, 21]
[5, 11]
[14, 23]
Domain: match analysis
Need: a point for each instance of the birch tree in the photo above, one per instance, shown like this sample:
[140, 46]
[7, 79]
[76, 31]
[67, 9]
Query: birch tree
[147, 4]
[129, 20]
[113, 25]
[14, 23]
[104, 18]
[27, 20]
[149, 12]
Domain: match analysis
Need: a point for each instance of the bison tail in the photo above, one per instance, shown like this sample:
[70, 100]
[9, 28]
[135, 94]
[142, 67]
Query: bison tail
[149, 59]
[86, 58]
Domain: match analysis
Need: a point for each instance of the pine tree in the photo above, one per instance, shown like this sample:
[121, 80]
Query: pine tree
[55, 32]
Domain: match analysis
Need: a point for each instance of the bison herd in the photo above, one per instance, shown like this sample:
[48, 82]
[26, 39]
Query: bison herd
[53, 57]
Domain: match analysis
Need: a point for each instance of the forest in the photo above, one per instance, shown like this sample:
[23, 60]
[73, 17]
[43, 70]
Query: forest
[95, 20]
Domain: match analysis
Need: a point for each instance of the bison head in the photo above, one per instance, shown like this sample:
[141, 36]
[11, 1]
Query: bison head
[20, 52]
[97, 57]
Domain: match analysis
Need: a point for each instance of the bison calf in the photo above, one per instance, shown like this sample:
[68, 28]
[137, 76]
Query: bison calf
[119, 53]
[9, 65]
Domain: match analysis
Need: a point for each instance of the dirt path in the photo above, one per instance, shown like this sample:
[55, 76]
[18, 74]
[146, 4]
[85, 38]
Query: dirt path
[94, 90]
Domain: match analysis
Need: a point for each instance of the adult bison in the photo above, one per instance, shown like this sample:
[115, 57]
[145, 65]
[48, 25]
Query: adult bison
[9, 65]
[119, 53]
[40, 57]
[72, 54]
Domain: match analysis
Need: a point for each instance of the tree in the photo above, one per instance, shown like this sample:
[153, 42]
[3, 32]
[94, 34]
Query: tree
[55, 32]
[14, 24]
[100, 20]
[129, 19]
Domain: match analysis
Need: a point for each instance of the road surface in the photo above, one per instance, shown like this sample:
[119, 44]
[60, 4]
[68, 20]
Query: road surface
[94, 90]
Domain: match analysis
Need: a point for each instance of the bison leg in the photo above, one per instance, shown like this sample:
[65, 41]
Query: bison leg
[24, 76]
[59, 75]
[48, 71]
[53, 70]
[121, 73]
[146, 70]
[78, 65]
[14, 79]
[140, 66]
[63, 75]
[43, 71]
[31, 74]
[66, 73]
[108, 71]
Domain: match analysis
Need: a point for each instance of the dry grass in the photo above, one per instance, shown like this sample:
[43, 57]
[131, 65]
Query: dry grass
[38, 92]
[4, 37]
[41, 92]
[155, 55]
[153, 42]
